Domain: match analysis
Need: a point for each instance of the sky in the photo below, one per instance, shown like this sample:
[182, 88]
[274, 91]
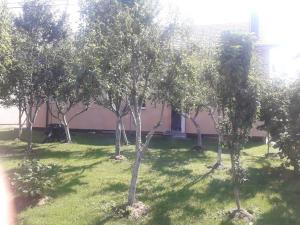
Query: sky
[279, 23]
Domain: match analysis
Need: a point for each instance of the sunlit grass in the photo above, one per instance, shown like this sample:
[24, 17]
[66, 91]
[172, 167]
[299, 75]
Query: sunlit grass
[174, 181]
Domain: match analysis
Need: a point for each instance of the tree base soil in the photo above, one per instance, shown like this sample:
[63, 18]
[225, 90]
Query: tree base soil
[23, 202]
[241, 214]
[198, 149]
[137, 210]
[118, 157]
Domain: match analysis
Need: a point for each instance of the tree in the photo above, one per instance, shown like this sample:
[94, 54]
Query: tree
[185, 87]
[238, 98]
[148, 65]
[289, 141]
[64, 84]
[36, 30]
[273, 109]
[5, 39]
[6, 50]
[212, 102]
[105, 54]
[133, 45]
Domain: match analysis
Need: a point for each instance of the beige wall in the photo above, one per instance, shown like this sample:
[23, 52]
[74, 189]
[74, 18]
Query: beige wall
[99, 118]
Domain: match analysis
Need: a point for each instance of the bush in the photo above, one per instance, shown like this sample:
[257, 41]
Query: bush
[33, 178]
[289, 147]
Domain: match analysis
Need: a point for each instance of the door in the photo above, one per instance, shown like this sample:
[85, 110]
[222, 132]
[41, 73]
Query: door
[175, 121]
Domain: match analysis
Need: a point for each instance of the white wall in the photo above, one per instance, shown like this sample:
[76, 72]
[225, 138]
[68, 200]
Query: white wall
[8, 116]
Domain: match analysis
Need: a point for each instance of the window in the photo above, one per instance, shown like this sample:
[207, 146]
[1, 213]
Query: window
[144, 105]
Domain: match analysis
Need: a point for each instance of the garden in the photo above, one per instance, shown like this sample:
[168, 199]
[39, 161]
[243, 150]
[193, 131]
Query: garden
[121, 57]
[176, 182]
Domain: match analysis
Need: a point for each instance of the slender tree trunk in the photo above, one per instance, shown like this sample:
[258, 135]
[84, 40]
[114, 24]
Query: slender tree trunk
[118, 137]
[67, 130]
[220, 143]
[125, 139]
[236, 192]
[20, 131]
[296, 165]
[268, 143]
[199, 133]
[220, 135]
[31, 113]
[235, 161]
[139, 148]
[138, 159]
[29, 141]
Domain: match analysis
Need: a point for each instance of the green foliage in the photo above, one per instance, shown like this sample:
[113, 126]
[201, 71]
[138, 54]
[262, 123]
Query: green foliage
[273, 107]
[238, 98]
[64, 85]
[289, 139]
[237, 92]
[182, 84]
[5, 45]
[36, 31]
[105, 52]
[121, 47]
[33, 178]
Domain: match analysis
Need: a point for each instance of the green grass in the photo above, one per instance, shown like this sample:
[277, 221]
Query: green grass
[174, 181]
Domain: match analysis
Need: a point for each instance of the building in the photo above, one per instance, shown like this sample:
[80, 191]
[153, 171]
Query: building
[9, 117]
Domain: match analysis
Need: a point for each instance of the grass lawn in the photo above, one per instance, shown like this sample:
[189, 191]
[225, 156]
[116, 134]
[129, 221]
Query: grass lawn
[173, 180]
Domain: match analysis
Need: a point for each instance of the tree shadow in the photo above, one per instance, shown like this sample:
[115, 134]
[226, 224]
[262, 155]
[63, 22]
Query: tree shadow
[71, 177]
[285, 209]
[166, 202]
[96, 153]
[67, 186]
[114, 187]
[171, 161]
[94, 139]
[80, 169]
[8, 134]
[281, 213]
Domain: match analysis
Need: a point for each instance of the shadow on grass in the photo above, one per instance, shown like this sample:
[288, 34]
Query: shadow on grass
[115, 187]
[166, 202]
[285, 209]
[80, 169]
[71, 177]
[281, 213]
[67, 186]
[171, 161]
[93, 139]
[8, 134]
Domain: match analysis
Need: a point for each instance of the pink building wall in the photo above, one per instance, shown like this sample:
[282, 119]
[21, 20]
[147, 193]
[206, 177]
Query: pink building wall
[99, 118]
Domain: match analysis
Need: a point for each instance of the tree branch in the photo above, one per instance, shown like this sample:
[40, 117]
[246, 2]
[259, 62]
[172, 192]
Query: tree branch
[77, 114]
[152, 131]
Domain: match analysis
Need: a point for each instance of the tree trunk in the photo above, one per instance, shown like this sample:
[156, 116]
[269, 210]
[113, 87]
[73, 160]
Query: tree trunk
[20, 131]
[199, 133]
[125, 139]
[67, 130]
[220, 143]
[118, 137]
[268, 143]
[235, 164]
[296, 165]
[138, 159]
[29, 141]
[236, 191]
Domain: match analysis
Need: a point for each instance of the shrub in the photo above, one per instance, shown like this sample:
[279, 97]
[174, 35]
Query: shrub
[289, 147]
[33, 178]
